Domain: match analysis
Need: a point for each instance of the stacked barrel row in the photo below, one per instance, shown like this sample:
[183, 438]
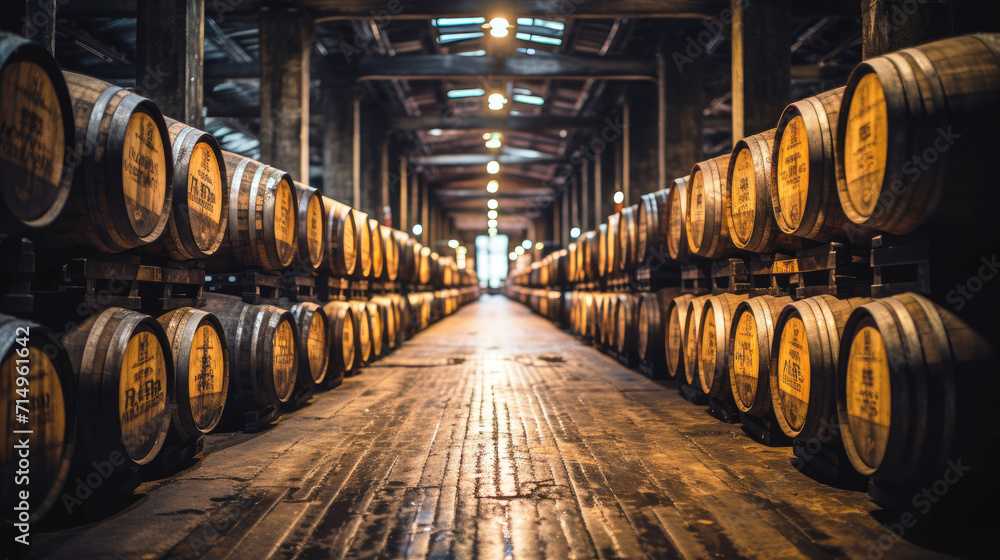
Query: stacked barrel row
[92, 170]
[900, 384]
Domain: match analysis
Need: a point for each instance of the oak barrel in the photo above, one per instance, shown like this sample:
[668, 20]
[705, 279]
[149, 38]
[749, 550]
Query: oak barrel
[364, 267]
[263, 356]
[625, 323]
[312, 236]
[125, 374]
[342, 256]
[363, 340]
[312, 327]
[803, 173]
[916, 388]
[651, 228]
[121, 195]
[750, 340]
[200, 205]
[917, 123]
[390, 250]
[342, 338]
[707, 207]
[31, 352]
[676, 216]
[626, 238]
[651, 309]
[378, 252]
[692, 339]
[804, 364]
[751, 214]
[36, 133]
[262, 223]
[201, 370]
[375, 328]
[713, 347]
[673, 333]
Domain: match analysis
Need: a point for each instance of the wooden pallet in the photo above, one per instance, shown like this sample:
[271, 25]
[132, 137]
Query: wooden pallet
[647, 279]
[259, 287]
[832, 269]
[125, 281]
[729, 276]
[696, 278]
[900, 265]
[762, 282]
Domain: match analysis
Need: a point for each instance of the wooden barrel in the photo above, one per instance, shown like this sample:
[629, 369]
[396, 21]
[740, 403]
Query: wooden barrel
[201, 370]
[312, 235]
[917, 122]
[32, 352]
[391, 320]
[609, 320]
[263, 355]
[614, 244]
[376, 328]
[262, 225]
[626, 326]
[692, 339]
[36, 120]
[342, 256]
[602, 250]
[363, 269]
[390, 250]
[626, 237]
[676, 217]
[651, 318]
[424, 267]
[713, 349]
[200, 206]
[122, 192]
[916, 388]
[751, 215]
[408, 257]
[803, 172]
[804, 364]
[378, 252]
[707, 204]
[651, 228]
[342, 328]
[363, 341]
[750, 341]
[591, 255]
[673, 333]
[312, 327]
[124, 374]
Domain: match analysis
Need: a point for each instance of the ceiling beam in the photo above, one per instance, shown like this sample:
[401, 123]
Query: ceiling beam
[482, 159]
[451, 66]
[466, 194]
[495, 123]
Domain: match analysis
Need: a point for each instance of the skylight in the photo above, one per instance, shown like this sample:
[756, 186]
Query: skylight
[446, 22]
[529, 99]
[472, 53]
[472, 92]
[547, 23]
[539, 39]
[452, 37]
[525, 51]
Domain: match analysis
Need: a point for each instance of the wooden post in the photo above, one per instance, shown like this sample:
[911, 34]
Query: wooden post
[403, 220]
[424, 211]
[643, 141]
[761, 65]
[337, 100]
[284, 90]
[598, 189]
[385, 200]
[890, 25]
[586, 220]
[356, 151]
[170, 51]
[565, 219]
[32, 19]
[680, 95]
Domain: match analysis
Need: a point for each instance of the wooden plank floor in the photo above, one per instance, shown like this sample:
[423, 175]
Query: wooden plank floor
[490, 435]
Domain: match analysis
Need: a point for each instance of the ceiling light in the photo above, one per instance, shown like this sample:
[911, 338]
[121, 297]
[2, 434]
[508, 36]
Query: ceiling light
[539, 245]
[493, 141]
[499, 23]
[453, 243]
[512, 256]
[435, 132]
[519, 250]
[417, 229]
[491, 223]
[619, 197]
[574, 233]
[493, 231]
[492, 214]
[526, 244]
[493, 167]
[492, 204]
[492, 186]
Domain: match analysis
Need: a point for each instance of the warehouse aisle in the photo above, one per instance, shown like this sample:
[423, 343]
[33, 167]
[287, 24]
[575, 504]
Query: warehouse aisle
[490, 435]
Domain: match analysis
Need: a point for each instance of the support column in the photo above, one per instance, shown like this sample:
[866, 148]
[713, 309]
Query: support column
[682, 99]
[424, 212]
[32, 19]
[761, 65]
[284, 90]
[599, 203]
[170, 50]
[586, 220]
[404, 195]
[564, 221]
[888, 25]
[337, 100]
[642, 142]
